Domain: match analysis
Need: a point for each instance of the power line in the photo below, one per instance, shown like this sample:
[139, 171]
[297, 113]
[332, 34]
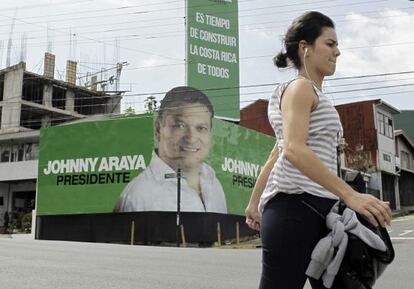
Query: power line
[228, 96]
[267, 56]
[130, 49]
[106, 9]
[181, 18]
[250, 57]
[363, 13]
[371, 75]
[276, 83]
[66, 118]
[370, 82]
[327, 87]
[182, 8]
[248, 26]
[61, 3]
[371, 88]
[222, 13]
[95, 40]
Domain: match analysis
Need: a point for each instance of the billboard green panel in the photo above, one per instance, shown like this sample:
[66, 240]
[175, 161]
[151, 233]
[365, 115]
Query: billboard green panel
[111, 165]
[83, 167]
[237, 155]
[213, 53]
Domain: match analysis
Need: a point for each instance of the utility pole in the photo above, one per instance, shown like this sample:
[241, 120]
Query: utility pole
[178, 214]
[177, 229]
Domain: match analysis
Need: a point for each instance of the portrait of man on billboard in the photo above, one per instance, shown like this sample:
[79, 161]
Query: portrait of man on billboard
[183, 131]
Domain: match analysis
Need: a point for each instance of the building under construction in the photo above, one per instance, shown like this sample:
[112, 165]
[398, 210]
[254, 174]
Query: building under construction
[28, 102]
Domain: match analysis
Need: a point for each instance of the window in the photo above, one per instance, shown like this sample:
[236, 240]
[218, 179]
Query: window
[31, 151]
[5, 154]
[385, 125]
[405, 160]
[19, 152]
[386, 157]
[380, 123]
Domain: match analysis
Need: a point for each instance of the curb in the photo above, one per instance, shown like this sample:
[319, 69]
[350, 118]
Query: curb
[244, 247]
[401, 213]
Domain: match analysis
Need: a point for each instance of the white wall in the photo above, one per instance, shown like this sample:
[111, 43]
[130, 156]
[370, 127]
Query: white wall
[14, 171]
[403, 147]
[386, 146]
[374, 181]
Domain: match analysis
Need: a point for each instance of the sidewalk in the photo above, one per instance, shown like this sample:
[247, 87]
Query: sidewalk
[401, 213]
[17, 236]
[5, 236]
[256, 243]
[247, 244]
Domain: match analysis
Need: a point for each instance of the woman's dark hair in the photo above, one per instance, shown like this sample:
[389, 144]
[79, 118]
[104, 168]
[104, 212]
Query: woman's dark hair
[307, 27]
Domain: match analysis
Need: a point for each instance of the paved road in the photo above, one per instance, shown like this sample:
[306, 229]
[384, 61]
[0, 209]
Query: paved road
[52, 265]
[69, 265]
[400, 274]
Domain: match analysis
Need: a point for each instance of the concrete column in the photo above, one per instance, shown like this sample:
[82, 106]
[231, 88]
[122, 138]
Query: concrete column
[113, 105]
[380, 185]
[47, 94]
[70, 100]
[3, 207]
[46, 121]
[12, 97]
[397, 192]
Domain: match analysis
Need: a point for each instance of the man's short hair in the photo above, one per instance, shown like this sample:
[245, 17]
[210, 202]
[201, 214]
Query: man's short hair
[183, 95]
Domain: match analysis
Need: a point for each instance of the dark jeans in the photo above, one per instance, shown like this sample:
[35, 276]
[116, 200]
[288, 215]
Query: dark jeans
[290, 229]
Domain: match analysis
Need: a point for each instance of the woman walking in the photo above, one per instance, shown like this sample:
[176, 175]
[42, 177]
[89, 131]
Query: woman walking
[298, 183]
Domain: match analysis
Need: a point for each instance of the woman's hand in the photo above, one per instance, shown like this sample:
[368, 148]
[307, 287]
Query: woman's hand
[253, 217]
[371, 208]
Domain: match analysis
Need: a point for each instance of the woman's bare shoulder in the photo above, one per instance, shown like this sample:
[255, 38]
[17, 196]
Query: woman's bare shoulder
[299, 86]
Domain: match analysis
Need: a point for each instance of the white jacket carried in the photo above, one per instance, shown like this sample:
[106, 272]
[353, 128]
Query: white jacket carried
[324, 261]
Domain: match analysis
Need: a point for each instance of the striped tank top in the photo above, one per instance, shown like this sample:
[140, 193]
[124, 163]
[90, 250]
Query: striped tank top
[324, 132]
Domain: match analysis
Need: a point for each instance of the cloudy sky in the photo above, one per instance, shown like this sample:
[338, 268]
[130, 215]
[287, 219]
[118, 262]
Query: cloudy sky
[375, 38]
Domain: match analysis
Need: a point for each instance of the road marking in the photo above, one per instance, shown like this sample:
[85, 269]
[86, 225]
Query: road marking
[401, 219]
[406, 232]
[402, 238]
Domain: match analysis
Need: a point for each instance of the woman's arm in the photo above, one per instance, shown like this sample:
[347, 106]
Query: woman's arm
[252, 212]
[298, 100]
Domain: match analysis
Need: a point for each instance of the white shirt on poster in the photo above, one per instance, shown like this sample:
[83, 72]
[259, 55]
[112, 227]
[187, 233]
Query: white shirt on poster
[153, 191]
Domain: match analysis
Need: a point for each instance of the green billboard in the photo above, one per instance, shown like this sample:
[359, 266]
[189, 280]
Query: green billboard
[83, 167]
[88, 168]
[213, 53]
[237, 155]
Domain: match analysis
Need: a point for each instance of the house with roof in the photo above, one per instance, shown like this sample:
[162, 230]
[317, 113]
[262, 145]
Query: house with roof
[404, 147]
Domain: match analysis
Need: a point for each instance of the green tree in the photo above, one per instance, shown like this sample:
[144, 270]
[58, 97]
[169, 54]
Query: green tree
[130, 111]
[150, 104]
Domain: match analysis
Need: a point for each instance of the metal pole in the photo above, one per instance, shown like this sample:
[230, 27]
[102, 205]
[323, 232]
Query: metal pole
[218, 234]
[237, 233]
[132, 232]
[177, 229]
[186, 42]
[183, 236]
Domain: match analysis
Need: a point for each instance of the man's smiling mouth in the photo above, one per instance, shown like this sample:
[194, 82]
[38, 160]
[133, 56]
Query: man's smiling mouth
[189, 149]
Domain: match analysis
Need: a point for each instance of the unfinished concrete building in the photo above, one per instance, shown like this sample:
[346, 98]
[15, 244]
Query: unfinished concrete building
[28, 102]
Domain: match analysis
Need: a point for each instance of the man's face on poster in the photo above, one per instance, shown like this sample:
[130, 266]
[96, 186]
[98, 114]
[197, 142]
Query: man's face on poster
[184, 135]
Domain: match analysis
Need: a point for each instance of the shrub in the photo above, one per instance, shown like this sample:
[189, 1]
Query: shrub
[27, 223]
